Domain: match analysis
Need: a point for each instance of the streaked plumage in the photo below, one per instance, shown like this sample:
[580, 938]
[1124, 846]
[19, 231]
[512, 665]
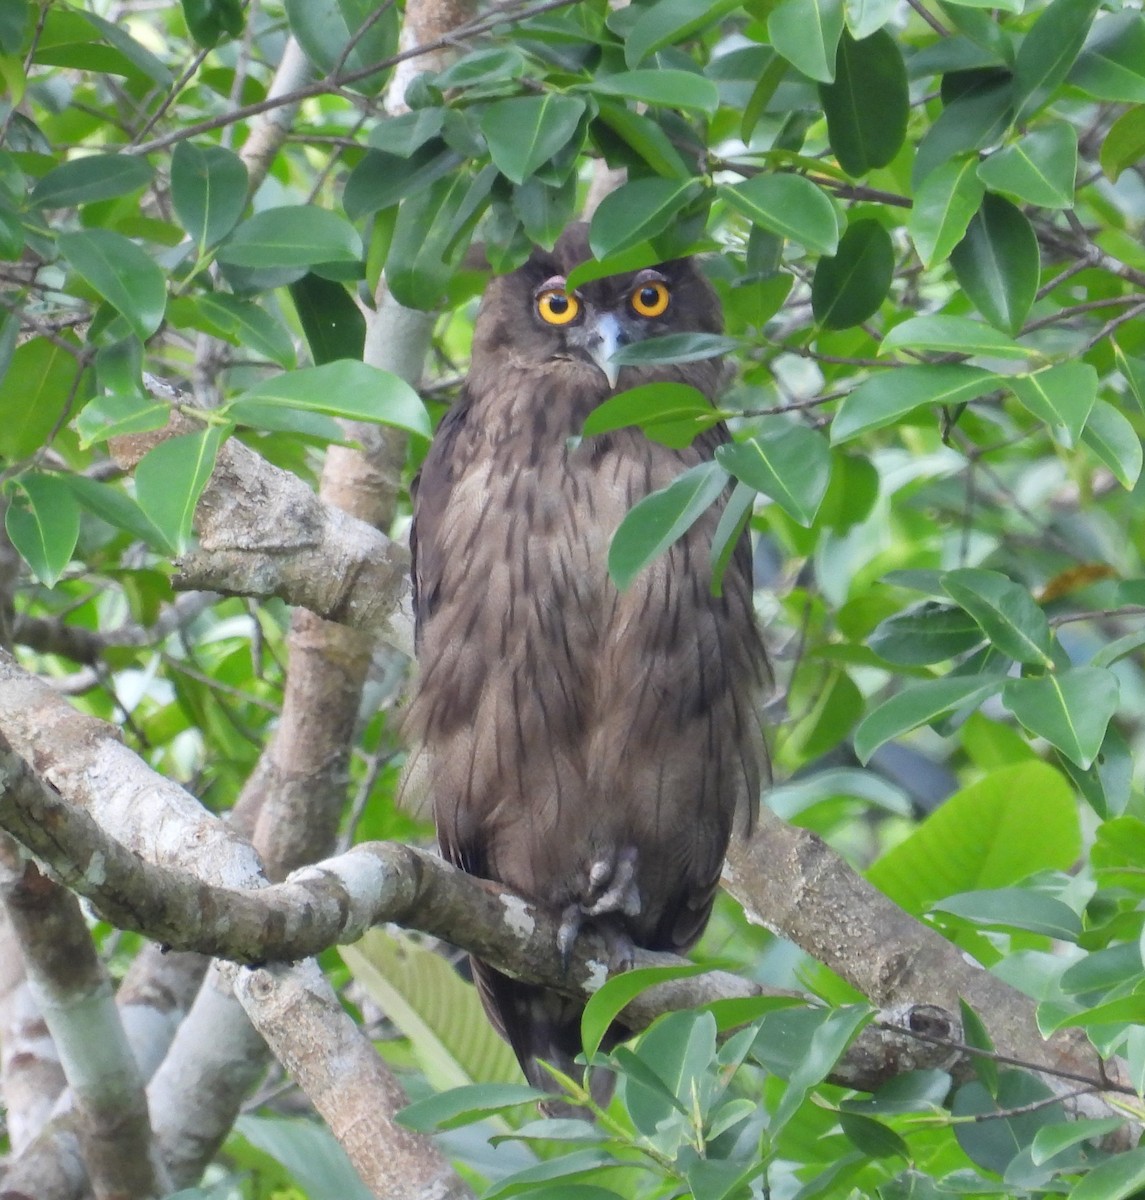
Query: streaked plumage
[590, 749]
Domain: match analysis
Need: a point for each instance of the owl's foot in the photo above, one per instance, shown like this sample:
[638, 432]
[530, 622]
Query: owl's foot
[611, 889]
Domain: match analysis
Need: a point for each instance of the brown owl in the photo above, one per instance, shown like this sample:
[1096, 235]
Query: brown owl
[589, 748]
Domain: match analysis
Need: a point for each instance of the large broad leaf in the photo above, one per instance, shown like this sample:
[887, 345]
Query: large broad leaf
[309, 1152]
[348, 389]
[209, 20]
[43, 523]
[919, 704]
[1014, 908]
[664, 86]
[998, 263]
[464, 1105]
[113, 506]
[1038, 168]
[973, 120]
[240, 322]
[669, 413]
[123, 274]
[789, 463]
[1048, 51]
[849, 286]
[351, 35]
[382, 179]
[926, 634]
[673, 348]
[1063, 396]
[1005, 610]
[952, 334]
[95, 177]
[34, 394]
[891, 394]
[1114, 440]
[867, 104]
[636, 212]
[1112, 65]
[944, 205]
[1070, 709]
[790, 206]
[982, 837]
[208, 190]
[334, 326]
[670, 21]
[1118, 1178]
[1124, 144]
[170, 478]
[605, 1005]
[294, 235]
[806, 33]
[661, 518]
[526, 131]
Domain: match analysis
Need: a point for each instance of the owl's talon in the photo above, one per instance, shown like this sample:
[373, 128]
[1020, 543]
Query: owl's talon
[621, 949]
[571, 921]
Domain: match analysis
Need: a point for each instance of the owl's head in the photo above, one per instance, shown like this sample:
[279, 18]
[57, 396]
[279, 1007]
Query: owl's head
[531, 318]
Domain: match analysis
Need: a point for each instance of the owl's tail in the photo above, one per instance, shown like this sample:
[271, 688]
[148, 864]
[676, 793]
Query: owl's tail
[543, 1026]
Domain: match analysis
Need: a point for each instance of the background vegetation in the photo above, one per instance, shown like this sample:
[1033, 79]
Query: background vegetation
[924, 221]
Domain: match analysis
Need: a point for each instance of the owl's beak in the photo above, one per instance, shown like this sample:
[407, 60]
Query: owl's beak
[603, 337]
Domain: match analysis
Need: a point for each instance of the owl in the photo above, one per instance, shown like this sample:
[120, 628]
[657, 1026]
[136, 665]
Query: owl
[588, 747]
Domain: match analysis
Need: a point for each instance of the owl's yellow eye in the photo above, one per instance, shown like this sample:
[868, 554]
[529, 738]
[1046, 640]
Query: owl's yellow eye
[651, 299]
[557, 308]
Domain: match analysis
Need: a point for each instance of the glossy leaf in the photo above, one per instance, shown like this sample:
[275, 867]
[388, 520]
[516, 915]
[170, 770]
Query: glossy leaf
[1039, 168]
[952, 334]
[920, 704]
[117, 414]
[210, 20]
[669, 21]
[1048, 51]
[43, 523]
[944, 205]
[332, 322]
[382, 179]
[345, 34]
[294, 235]
[790, 206]
[661, 518]
[1006, 612]
[1114, 440]
[403, 134]
[1070, 709]
[348, 389]
[865, 17]
[998, 263]
[526, 131]
[243, 323]
[1014, 908]
[929, 633]
[606, 1003]
[1063, 396]
[972, 121]
[806, 33]
[170, 478]
[888, 395]
[980, 838]
[669, 413]
[867, 103]
[116, 508]
[1124, 144]
[464, 1105]
[33, 395]
[545, 210]
[208, 190]
[93, 177]
[789, 463]
[637, 211]
[675, 348]
[1052, 1139]
[673, 89]
[1112, 64]
[849, 286]
[123, 274]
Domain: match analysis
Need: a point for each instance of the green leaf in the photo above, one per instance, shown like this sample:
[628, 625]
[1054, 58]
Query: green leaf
[1114, 440]
[1014, 908]
[980, 838]
[581, 1164]
[545, 210]
[330, 30]
[670, 21]
[1053, 1139]
[1005, 610]
[885, 397]
[112, 506]
[34, 394]
[170, 478]
[1070, 709]
[116, 413]
[920, 704]
[308, 1151]
[616, 993]
[1133, 372]
[789, 463]
[1039, 168]
[944, 205]
[670, 88]
[638, 211]
[1124, 144]
[382, 179]
[1063, 396]
[645, 137]
[998, 263]
[348, 389]
[294, 235]
[209, 20]
[669, 413]
[1008, 1121]
[402, 135]
[1048, 51]
[828, 1042]
[849, 286]
[526, 131]
[43, 523]
[865, 17]
[790, 206]
[927, 634]
[1118, 1178]
[208, 190]
[94, 177]
[975, 1033]
[661, 518]
[867, 104]
[974, 119]
[464, 1105]
[951, 334]
[1112, 64]
[243, 323]
[872, 1137]
[332, 322]
[123, 274]
[674, 348]
[806, 33]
